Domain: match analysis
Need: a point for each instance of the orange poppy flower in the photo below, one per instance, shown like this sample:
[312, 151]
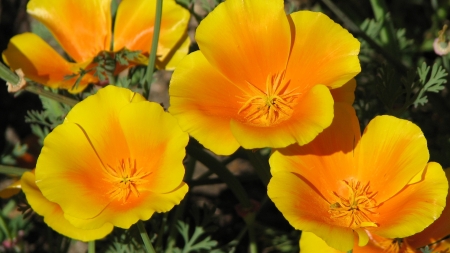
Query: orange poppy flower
[83, 29]
[342, 186]
[116, 159]
[261, 77]
[432, 236]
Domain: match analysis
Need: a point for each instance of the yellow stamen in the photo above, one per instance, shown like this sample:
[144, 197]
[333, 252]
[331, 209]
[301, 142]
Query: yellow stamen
[357, 207]
[125, 178]
[271, 106]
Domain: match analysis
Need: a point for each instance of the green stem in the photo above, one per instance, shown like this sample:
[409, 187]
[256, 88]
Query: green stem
[11, 170]
[145, 238]
[357, 31]
[152, 58]
[8, 75]
[5, 228]
[190, 167]
[39, 90]
[350, 251]
[250, 221]
[261, 165]
[387, 33]
[222, 171]
[91, 247]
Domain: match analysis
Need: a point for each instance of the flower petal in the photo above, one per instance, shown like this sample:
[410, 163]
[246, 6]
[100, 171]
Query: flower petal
[42, 64]
[204, 102]
[312, 115]
[11, 190]
[415, 207]
[67, 172]
[178, 52]
[246, 40]
[345, 93]
[323, 52]
[328, 159]
[306, 209]
[135, 21]
[137, 208]
[390, 150]
[437, 230]
[104, 107]
[54, 216]
[311, 243]
[160, 149]
[82, 27]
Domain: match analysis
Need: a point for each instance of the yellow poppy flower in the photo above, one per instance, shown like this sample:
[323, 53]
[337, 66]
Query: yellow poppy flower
[83, 29]
[342, 186]
[261, 78]
[432, 236]
[116, 159]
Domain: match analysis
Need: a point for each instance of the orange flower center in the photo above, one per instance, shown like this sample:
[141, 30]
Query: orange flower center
[125, 178]
[356, 207]
[269, 107]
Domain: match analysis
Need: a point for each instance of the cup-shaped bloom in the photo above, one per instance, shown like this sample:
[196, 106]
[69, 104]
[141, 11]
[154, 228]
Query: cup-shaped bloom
[342, 186]
[116, 159]
[261, 78]
[435, 237]
[83, 30]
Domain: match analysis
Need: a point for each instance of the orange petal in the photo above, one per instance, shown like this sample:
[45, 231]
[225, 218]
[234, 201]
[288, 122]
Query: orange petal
[305, 209]
[312, 115]
[323, 51]
[203, 102]
[345, 93]
[328, 159]
[415, 207]
[246, 40]
[390, 150]
[67, 172]
[134, 26]
[437, 230]
[11, 190]
[42, 64]
[160, 149]
[54, 216]
[136, 208]
[82, 27]
[104, 107]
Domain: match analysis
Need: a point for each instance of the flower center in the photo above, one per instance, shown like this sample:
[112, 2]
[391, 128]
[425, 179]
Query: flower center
[125, 178]
[391, 246]
[269, 107]
[356, 207]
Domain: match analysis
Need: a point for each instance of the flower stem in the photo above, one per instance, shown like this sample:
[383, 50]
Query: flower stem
[155, 39]
[145, 238]
[49, 94]
[7, 75]
[261, 165]
[11, 170]
[91, 247]
[350, 251]
[250, 221]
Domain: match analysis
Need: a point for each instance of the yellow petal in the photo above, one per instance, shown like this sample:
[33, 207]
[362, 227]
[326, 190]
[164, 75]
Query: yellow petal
[104, 107]
[328, 159]
[134, 27]
[54, 216]
[159, 149]
[82, 27]
[178, 52]
[323, 52]
[141, 208]
[312, 114]
[415, 207]
[311, 243]
[390, 150]
[246, 40]
[42, 64]
[345, 93]
[305, 209]
[203, 102]
[67, 172]
[437, 230]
